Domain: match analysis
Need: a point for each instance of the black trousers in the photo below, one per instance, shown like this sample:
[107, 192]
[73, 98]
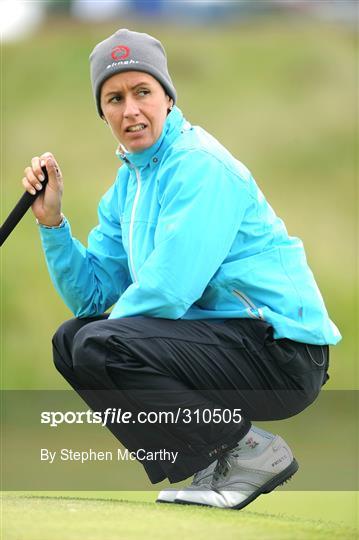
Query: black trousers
[147, 364]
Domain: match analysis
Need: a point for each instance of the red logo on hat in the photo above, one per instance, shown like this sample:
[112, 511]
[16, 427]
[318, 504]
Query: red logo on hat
[120, 52]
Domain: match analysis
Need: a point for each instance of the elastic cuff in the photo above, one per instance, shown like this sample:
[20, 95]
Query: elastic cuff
[59, 226]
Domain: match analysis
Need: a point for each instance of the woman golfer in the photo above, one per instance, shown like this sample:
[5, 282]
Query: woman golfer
[216, 316]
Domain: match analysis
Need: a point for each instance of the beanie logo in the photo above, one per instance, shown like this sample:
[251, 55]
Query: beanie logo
[120, 52]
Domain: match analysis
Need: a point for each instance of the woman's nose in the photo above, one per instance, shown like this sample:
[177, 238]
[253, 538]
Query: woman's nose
[131, 108]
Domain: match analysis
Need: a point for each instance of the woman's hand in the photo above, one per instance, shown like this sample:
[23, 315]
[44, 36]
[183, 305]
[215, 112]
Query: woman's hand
[47, 206]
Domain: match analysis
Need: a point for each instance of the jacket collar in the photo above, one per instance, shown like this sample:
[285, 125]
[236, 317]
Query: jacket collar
[152, 155]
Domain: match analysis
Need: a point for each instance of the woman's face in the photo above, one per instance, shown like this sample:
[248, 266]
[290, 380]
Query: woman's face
[135, 106]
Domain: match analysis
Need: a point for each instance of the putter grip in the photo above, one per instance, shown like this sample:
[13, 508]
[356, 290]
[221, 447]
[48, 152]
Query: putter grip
[20, 210]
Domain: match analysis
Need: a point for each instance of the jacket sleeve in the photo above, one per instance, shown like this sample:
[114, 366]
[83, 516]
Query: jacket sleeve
[89, 279]
[202, 205]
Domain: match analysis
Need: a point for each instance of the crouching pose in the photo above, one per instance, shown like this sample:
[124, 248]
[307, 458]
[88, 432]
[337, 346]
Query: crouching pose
[214, 308]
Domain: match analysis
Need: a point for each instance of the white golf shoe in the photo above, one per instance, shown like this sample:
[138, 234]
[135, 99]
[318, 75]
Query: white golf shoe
[239, 477]
[201, 480]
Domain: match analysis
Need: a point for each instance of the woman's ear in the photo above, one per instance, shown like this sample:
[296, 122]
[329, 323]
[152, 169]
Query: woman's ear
[170, 105]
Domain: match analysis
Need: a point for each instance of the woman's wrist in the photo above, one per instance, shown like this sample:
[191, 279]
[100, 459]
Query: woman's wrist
[53, 223]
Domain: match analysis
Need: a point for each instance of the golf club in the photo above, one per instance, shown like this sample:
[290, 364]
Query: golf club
[20, 210]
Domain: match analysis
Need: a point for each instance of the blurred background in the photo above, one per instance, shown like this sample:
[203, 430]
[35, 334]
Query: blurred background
[274, 81]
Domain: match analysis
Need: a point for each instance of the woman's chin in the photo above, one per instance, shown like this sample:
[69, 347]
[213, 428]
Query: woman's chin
[137, 142]
[138, 147]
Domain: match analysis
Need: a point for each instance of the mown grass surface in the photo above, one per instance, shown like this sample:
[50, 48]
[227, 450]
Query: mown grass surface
[37, 518]
[333, 507]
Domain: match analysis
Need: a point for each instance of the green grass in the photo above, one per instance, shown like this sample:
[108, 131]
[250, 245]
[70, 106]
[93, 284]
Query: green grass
[75, 518]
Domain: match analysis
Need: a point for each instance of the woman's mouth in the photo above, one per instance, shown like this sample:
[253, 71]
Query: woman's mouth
[135, 128]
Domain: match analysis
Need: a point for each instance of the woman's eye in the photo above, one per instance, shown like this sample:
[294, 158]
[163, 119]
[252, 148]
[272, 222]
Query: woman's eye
[115, 99]
[143, 92]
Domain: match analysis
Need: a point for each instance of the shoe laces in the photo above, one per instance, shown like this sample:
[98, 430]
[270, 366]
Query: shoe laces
[222, 469]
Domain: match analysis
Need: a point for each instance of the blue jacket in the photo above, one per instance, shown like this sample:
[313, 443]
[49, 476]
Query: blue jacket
[185, 232]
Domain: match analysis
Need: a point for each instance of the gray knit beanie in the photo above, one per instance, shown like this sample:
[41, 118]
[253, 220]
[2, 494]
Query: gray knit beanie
[129, 51]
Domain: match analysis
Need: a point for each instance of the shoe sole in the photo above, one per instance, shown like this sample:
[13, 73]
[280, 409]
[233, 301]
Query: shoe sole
[278, 480]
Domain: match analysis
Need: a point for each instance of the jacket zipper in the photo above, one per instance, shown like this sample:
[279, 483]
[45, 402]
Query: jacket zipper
[133, 213]
[251, 308]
